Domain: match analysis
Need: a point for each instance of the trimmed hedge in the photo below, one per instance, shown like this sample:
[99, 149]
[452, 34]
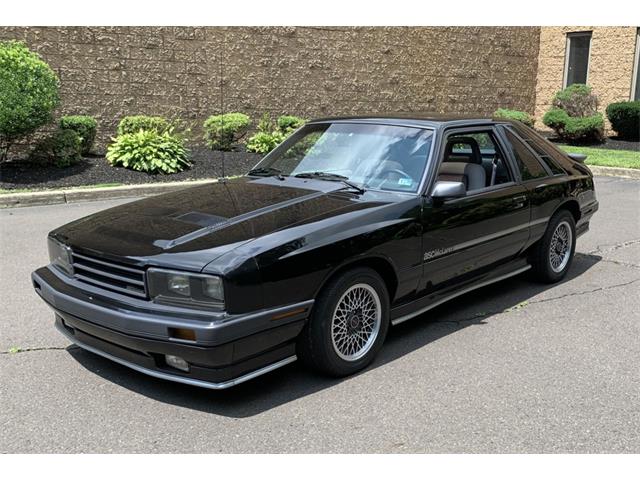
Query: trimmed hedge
[575, 129]
[625, 119]
[62, 148]
[85, 126]
[221, 132]
[288, 123]
[517, 115]
[149, 151]
[28, 93]
[135, 123]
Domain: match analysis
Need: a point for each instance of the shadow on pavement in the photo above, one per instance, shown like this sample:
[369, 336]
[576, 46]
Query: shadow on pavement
[293, 381]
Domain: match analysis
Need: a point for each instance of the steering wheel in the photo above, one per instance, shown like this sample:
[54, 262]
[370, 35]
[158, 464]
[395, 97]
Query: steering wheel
[386, 173]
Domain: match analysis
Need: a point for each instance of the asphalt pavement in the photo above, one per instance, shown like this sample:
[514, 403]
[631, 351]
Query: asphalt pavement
[516, 367]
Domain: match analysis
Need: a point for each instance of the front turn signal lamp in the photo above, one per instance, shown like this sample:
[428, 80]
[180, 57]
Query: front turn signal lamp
[185, 289]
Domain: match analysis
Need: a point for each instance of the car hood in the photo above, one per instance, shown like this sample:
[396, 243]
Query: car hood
[191, 227]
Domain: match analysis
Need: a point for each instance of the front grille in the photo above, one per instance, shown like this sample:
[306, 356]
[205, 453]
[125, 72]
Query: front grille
[110, 276]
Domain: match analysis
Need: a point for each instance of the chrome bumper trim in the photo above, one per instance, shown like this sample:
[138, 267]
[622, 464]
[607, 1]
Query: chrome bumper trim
[176, 378]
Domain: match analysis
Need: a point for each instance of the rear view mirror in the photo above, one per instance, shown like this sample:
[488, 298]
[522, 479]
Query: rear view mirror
[443, 190]
[578, 157]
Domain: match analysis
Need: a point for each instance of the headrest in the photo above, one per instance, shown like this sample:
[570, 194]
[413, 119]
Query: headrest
[473, 157]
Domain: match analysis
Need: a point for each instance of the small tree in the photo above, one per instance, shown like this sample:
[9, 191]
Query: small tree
[28, 93]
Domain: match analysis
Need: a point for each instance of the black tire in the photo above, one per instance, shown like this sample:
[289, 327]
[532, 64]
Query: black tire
[541, 261]
[315, 345]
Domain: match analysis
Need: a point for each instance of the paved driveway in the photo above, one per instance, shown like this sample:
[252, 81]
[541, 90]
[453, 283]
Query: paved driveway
[514, 367]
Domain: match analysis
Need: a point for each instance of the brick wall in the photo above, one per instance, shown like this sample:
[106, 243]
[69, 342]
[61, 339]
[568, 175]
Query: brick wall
[109, 72]
[610, 65]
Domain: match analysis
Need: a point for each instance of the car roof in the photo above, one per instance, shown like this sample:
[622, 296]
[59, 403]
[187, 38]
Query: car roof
[433, 120]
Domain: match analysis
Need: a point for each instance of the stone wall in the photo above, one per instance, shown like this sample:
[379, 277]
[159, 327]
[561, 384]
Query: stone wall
[610, 65]
[193, 72]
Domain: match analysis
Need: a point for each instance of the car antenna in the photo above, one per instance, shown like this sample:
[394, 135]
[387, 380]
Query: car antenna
[223, 179]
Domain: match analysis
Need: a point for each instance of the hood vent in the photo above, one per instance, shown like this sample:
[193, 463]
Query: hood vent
[201, 219]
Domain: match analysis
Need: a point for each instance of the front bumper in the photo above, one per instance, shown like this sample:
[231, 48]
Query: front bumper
[228, 349]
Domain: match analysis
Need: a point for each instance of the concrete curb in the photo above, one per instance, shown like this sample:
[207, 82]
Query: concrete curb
[615, 171]
[73, 195]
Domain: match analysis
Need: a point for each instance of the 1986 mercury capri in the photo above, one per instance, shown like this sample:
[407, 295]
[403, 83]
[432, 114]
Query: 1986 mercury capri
[350, 226]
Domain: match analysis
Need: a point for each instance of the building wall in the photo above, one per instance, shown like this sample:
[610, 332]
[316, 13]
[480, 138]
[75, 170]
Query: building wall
[610, 65]
[109, 72]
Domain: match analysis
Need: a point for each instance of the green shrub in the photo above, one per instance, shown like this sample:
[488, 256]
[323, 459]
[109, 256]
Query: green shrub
[84, 126]
[264, 142]
[135, 123]
[221, 132]
[28, 93]
[625, 119]
[149, 151]
[577, 100]
[62, 149]
[517, 115]
[267, 137]
[575, 129]
[573, 116]
[289, 123]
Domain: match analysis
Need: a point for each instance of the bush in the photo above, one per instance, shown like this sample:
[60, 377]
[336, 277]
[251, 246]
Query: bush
[62, 149]
[517, 115]
[221, 132]
[575, 129]
[574, 117]
[135, 123]
[84, 126]
[28, 93]
[289, 123]
[625, 119]
[267, 137]
[149, 151]
[576, 100]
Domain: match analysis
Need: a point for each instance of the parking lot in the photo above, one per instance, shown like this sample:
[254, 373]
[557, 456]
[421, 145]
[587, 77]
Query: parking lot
[515, 367]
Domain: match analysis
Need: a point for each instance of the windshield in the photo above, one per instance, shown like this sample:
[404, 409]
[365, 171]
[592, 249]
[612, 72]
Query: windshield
[380, 157]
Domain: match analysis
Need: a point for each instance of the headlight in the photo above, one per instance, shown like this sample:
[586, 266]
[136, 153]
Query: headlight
[60, 256]
[185, 289]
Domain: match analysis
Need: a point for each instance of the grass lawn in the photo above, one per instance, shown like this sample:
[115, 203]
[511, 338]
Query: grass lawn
[606, 158]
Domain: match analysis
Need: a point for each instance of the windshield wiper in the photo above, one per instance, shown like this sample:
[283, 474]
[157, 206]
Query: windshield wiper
[332, 177]
[267, 172]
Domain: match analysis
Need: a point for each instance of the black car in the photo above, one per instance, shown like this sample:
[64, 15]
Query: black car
[349, 226]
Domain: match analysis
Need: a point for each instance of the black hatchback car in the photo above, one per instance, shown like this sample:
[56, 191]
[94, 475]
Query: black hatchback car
[349, 226]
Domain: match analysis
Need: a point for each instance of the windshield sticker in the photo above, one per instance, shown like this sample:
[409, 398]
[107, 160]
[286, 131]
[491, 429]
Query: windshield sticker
[406, 182]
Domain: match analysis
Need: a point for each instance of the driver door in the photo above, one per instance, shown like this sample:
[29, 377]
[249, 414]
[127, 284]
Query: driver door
[465, 236]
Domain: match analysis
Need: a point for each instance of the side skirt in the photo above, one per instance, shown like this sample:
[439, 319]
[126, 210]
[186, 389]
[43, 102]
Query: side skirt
[457, 293]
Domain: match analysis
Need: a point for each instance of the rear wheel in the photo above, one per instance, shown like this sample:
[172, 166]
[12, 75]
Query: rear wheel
[348, 324]
[552, 256]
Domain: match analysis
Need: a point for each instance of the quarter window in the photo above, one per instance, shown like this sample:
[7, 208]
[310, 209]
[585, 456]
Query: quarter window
[530, 167]
[576, 68]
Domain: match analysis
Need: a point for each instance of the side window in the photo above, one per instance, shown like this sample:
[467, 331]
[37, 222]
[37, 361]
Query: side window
[530, 167]
[549, 154]
[474, 159]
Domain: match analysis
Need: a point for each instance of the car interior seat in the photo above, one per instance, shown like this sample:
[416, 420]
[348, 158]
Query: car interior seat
[463, 165]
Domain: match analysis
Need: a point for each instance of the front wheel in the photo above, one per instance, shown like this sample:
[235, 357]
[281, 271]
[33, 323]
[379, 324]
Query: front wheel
[348, 324]
[552, 256]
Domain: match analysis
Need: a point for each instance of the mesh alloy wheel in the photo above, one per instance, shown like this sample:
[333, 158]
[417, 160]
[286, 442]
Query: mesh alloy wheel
[356, 322]
[560, 247]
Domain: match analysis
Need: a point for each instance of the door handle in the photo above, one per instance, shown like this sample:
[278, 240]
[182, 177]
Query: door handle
[519, 201]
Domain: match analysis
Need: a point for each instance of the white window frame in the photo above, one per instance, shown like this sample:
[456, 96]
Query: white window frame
[636, 67]
[567, 54]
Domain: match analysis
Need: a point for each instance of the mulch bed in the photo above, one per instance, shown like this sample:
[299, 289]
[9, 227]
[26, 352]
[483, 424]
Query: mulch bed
[611, 143]
[96, 170]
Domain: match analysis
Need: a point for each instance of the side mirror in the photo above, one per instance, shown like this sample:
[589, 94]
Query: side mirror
[578, 157]
[444, 190]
